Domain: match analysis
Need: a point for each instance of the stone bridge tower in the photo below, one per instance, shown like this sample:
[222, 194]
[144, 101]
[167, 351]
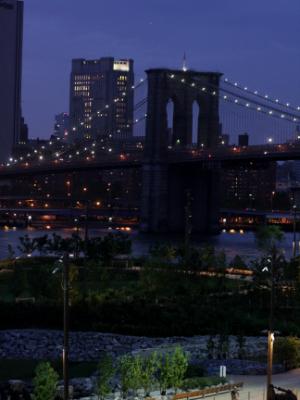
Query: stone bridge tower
[165, 186]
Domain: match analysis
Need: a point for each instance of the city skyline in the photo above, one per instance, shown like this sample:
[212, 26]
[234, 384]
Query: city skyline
[149, 224]
[271, 49]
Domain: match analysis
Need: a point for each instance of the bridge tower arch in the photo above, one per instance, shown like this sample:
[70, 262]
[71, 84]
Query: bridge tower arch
[165, 186]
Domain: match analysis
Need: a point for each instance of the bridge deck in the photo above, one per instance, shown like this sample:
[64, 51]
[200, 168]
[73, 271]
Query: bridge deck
[174, 156]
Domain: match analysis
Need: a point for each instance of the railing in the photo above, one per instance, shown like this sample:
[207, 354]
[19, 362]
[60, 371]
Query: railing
[197, 394]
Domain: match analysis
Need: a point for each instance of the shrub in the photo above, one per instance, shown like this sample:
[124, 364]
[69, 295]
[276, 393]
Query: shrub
[45, 382]
[106, 371]
[287, 351]
[200, 382]
[195, 370]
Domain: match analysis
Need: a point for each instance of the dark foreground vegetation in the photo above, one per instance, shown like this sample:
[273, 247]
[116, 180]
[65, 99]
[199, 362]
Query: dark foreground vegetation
[174, 291]
[128, 375]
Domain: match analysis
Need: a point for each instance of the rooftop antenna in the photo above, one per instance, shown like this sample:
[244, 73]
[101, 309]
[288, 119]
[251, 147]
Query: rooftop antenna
[184, 63]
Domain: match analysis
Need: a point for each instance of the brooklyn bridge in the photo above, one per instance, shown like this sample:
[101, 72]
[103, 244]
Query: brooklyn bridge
[181, 118]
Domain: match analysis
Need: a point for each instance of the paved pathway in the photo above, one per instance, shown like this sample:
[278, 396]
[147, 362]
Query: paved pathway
[255, 386]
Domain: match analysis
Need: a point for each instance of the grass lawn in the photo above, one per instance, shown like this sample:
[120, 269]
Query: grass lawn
[24, 369]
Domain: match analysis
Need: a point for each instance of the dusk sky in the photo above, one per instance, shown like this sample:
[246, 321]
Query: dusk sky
[253, 42]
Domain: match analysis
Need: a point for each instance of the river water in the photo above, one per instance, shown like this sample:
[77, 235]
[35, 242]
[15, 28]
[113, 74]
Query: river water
[242, 243]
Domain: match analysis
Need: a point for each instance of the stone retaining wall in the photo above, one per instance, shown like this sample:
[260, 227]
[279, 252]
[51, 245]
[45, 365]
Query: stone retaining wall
[89, 346]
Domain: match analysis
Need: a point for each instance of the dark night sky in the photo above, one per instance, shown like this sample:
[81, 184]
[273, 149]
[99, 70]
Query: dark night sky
[254, 42]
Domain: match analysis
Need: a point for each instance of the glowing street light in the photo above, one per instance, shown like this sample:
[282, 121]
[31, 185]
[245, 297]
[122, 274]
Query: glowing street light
[63, 265]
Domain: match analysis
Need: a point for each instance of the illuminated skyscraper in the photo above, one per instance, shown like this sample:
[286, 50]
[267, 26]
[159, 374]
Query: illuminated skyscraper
[101, 98]
[11, 33]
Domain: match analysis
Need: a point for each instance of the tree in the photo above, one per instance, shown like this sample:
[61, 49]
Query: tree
[55, 244]
[41, 244]
[238, 262]
[112, 245]
[148, 370]
[268, 238]
[45, 382]
[223, 346]
[130, 373]
[164, 373]
[27, 245]
[241, 342]
[11, 252]
[208, 257]
[163, 252]
[171, 370]
[136, 373]
[179, 364]
[210, 347]
[106, 371]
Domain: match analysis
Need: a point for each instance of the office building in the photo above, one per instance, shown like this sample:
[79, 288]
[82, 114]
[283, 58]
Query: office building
[61, 125]
[249, 186]
[11, 33]
[101, 99]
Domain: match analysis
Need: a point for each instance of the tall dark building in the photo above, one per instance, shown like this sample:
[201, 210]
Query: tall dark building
[101, 98]
[244, 140]
[11, 35]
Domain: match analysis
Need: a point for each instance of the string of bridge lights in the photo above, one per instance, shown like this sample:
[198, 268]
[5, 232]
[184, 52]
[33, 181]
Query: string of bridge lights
[87, 149]
[254, 103]
[60, 153]
[91, 149]
[241, 101]
[265, 97]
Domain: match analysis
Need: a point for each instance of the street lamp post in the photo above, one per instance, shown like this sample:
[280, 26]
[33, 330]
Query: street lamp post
[272, 198]
[271, 332]
[250, 200]
[66, 326]
[270, 364]
[65, 268]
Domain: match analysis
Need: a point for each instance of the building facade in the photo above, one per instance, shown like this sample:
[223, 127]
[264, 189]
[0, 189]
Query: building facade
[101, 99]
[11, 34]
[61, 125]
[251, 186]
